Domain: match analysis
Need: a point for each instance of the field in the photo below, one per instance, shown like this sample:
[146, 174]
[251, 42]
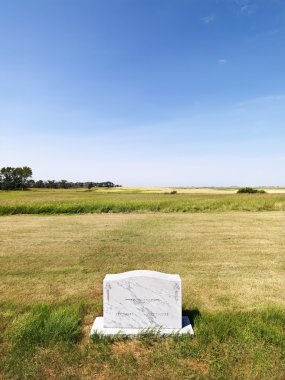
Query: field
[137, 200]
[228, 249]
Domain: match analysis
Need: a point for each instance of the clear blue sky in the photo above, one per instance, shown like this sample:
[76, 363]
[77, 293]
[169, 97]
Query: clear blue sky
[144, 92]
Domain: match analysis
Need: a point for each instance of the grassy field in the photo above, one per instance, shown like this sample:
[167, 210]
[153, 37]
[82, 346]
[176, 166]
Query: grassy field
[52, 268]
[127, 200]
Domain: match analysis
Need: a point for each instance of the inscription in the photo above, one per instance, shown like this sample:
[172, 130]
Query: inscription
[151, 313]
[142, 300]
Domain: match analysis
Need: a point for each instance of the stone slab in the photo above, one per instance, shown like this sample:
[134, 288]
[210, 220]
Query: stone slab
[98, 328]
[142, 299]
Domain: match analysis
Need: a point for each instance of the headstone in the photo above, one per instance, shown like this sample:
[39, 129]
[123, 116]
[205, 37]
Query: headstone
[141, 300]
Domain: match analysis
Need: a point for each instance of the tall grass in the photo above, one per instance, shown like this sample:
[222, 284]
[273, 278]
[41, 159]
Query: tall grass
[226, 345]
[126, 203]
[42, 326]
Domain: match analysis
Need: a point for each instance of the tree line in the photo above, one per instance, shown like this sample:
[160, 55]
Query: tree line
[20, 178]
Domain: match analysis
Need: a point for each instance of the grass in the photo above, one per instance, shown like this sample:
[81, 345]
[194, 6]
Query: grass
[134, 200]
[45, 324]
[232, 269]
[40, 327]
[228, 345]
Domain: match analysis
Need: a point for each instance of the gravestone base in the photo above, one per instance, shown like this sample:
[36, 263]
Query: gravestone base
[98, 328]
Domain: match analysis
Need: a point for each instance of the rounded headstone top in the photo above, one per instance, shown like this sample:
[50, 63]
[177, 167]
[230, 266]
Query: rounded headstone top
[142, 273]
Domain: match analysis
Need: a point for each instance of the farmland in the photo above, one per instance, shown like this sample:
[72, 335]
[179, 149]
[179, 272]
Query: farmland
[124, 200]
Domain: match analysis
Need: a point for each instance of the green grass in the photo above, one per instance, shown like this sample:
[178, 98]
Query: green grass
[84, 201]
[45, 324]
[232, 270]
[40, 327]
[247, 345]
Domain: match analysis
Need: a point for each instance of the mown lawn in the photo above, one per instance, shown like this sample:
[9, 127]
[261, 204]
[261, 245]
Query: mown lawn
[232, 270]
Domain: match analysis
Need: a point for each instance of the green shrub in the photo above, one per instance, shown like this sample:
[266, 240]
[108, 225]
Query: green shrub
[250, 190]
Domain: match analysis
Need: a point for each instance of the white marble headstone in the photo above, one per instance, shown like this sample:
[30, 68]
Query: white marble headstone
[142, 298]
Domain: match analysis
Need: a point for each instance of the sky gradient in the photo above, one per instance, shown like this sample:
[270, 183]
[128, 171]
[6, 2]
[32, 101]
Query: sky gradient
[144, 92]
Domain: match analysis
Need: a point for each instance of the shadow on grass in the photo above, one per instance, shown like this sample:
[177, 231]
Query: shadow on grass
[192, 314]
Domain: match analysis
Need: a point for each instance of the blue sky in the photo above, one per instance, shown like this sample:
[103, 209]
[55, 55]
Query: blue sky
[144, 92]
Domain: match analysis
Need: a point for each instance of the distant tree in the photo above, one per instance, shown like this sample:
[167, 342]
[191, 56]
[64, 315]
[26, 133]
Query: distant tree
[20, 178]
[30, 183]
[105, 184]
[63, 184]
[25, 172]
[51, 184]
[39, 184]
[14, 178]
[7, 178]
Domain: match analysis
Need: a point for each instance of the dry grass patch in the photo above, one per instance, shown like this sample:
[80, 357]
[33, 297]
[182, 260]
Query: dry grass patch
[129, 347]
[226, 260]
[232, 269]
